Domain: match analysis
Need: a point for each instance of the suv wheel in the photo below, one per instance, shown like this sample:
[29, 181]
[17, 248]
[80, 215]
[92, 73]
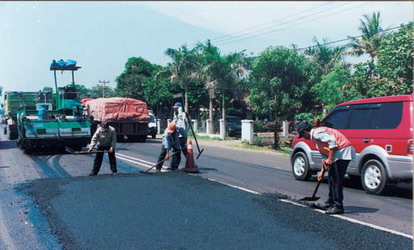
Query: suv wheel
[374, 178]
[300, 167]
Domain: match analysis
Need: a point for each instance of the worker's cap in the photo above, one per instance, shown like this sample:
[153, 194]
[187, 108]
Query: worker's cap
[104, 124]
[171, 128]
[302, 126]
[177, 105]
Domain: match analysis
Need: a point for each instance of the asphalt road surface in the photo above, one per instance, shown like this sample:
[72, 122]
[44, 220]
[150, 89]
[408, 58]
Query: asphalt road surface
[49, 202]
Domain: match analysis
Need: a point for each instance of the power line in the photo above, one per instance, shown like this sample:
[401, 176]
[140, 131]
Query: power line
[286, 22]
[272, 31]
[346, 39]
[258, 26]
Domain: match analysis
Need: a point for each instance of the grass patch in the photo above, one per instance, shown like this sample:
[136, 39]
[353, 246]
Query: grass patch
[205, 138]
[262, 147]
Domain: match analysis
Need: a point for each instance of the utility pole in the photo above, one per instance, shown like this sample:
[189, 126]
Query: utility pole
[103, 89]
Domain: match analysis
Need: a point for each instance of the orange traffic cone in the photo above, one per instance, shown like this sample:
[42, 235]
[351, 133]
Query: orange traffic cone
[190, 166]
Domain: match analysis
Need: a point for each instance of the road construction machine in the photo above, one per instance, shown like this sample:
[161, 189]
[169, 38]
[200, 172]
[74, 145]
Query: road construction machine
[49, 123]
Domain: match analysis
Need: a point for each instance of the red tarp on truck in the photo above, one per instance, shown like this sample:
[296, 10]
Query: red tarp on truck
[117, 109]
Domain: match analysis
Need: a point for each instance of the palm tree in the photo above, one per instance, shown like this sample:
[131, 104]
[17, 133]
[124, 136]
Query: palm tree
[324, 56]
[209, 71]
[372, 35]
[220, 73]
[183, 68]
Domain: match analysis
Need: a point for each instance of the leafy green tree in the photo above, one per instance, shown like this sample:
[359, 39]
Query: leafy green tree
[82, 91]
[47, 89]
[371, 38]
[330, 90]
[138, 73]
[145, 81]
[392, 75]
[158, 93]
[99, 91]
[395, 62]
[281, 80]
[361, 82]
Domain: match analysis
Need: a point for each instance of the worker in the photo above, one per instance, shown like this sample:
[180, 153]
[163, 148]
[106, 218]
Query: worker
[170, 142]
[337, 152]
[105, 139]
[180, 120]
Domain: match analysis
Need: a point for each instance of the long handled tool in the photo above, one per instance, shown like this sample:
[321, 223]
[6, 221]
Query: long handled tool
[71, 151]
[147, 171]
[195, 138]
[313, 197]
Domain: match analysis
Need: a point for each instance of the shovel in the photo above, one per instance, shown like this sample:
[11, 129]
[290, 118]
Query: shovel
[195, 138]
[71, 151]
[313, 197]
[147, 171]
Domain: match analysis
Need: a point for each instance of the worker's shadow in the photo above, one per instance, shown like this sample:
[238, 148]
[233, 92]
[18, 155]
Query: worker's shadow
[8, 144]
[360, 210]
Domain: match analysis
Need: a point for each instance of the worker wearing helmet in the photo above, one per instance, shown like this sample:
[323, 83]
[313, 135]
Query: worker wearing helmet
[170, 142]
[105, 139]
[180, 120]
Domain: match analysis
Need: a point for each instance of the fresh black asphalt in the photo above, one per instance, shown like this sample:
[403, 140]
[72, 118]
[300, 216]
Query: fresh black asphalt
[180, 211]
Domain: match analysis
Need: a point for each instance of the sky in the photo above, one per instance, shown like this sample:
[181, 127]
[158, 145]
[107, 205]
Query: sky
[101, 36]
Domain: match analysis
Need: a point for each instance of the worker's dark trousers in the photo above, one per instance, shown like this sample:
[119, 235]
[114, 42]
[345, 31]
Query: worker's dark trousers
[336, 181]
[176, 158]
[183, 144]
[98, 160]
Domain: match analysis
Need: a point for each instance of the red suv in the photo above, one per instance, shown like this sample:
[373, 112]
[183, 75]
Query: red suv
[381, 131]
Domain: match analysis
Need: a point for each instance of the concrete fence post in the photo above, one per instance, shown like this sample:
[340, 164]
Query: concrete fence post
[285, 127]
[247, 131]
[195, 125]
[208, 127]
[158, 126]
[222, 129]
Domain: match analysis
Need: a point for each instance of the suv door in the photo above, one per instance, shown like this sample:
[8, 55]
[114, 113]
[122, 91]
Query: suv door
[338, 119]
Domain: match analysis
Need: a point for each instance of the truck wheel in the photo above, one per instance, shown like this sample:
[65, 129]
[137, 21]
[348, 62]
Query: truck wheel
[300, 167]
[374, 177]
[153, 136]
[143, 138]
[5, 130]
[11, 134]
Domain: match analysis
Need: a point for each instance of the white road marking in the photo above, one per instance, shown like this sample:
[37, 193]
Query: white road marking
[233, 186]
[135, 162]
[353, 220]
[134, 158]
[141, 163]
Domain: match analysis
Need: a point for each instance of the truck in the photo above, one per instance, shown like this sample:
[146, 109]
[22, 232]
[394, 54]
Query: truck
[128, 116]
[13, 102]
[47, 124]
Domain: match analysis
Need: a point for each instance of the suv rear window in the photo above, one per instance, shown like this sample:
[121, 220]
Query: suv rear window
[365, 116]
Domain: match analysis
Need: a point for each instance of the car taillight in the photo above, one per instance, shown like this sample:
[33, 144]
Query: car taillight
[410, 148]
